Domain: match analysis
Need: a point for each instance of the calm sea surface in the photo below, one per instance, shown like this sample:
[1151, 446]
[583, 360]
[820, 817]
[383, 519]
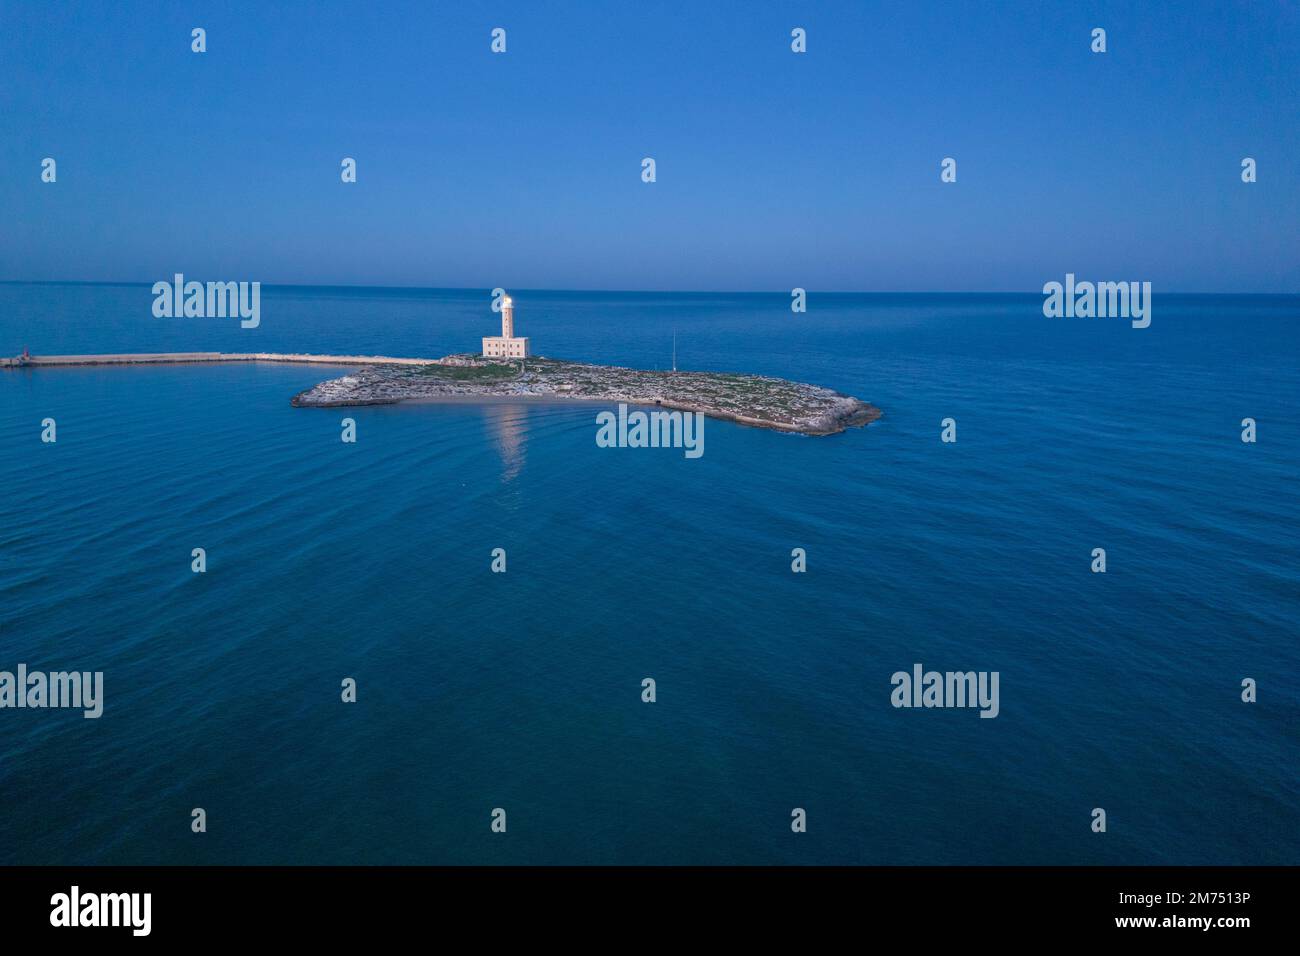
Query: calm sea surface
[522, 691]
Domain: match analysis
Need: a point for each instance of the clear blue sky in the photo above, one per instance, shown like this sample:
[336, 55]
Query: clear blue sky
[774, 169]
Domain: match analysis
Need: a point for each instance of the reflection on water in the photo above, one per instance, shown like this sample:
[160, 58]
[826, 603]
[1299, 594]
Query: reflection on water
[508, 427]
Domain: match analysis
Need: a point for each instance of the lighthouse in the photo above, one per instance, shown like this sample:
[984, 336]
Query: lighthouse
[506, 345]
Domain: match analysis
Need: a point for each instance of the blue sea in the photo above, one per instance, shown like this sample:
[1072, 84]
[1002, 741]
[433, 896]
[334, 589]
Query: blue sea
[522, 690]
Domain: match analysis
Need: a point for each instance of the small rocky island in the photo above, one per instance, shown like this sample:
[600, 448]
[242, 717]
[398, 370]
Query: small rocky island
[507, 369]
[749, 399]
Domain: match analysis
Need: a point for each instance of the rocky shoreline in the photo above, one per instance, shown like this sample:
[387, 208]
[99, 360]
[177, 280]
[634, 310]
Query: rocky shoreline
[754, 400]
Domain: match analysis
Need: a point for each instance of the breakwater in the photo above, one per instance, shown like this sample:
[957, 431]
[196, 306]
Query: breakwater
[184, 358]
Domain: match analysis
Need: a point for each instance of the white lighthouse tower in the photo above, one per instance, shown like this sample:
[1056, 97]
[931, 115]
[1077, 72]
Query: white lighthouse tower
[506, 345]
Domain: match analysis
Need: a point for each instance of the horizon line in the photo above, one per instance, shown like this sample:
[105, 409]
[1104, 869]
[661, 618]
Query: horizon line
[470, 288]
